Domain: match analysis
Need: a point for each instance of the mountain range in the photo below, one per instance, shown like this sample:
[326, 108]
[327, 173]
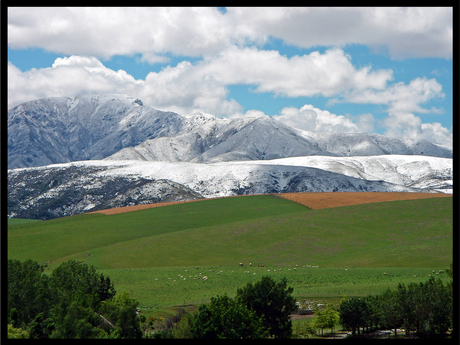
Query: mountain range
[72, 155]
[63, 129]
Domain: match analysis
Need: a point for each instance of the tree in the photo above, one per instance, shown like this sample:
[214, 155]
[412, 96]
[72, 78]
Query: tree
[182, 330]
[388, 310]
[17, 333]
[28, 292]
[303, 330]
[79, 322]
[352, 312]
[271, 301]
[121, 311]
[225, 318]
[327, 318]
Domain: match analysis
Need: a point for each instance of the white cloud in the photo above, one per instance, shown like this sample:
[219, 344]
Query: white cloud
[401, 97]
[71, 76]
[203, 31]
[409, 126]
[202, 86]
[310, 118]
[308, 75]
[108, 31]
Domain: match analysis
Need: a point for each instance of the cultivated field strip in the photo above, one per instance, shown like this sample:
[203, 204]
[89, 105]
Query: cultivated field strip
[317, 201]
[314, 201]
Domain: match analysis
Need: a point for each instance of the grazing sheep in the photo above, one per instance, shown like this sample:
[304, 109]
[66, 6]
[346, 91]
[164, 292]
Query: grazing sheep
[241, 264]
[384, 273]
[250, 264]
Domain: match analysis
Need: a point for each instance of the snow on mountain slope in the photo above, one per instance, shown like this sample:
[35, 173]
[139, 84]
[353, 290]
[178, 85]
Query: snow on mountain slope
[72, 188]
[249, 138]
[371, 144]
[263, 138]
[64, 129]
[422, 172]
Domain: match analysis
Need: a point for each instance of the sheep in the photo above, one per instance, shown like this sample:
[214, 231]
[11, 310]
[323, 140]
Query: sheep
[241, 264]
[250, 264]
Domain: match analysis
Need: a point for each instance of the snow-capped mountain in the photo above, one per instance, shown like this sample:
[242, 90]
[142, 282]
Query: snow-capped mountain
[72, 188]
[117, 152]
[62, 129]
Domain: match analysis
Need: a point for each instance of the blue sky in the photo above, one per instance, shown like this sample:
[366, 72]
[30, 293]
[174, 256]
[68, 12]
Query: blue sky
[382, 70]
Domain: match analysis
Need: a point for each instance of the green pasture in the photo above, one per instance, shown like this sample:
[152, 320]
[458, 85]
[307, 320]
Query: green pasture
[18, 221]
[352, 246]
[165, 287]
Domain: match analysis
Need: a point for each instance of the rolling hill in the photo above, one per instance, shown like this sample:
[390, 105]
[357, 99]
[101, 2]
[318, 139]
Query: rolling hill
[258, 229]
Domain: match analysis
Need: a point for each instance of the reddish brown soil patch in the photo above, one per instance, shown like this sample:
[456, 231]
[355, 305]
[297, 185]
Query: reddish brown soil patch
[314, 201]
[139, 207]
[318, 201]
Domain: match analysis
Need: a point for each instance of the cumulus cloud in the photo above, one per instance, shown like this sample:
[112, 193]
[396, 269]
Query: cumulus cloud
[307, 75]
[108, 31]
[202, 86]
[407, 125]
[71, 76]
[401, 97]
[188, 31]
[310, 118]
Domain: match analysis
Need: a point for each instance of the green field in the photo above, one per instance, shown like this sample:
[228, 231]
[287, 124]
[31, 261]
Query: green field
[352, 246]
[17, 221]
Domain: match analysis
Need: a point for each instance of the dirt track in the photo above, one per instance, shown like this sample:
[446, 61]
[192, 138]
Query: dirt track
[314, 201]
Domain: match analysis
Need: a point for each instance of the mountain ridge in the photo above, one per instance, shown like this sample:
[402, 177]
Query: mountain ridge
[65, 129]
[77, 187]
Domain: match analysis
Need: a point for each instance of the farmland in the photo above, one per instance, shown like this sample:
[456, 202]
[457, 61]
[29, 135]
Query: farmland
[153, 253]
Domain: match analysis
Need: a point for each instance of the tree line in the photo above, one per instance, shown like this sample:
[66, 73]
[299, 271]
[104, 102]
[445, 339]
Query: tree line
[422, 310]
[75, 301]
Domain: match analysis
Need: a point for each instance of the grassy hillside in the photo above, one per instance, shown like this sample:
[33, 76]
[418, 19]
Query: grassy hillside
[257, 229]
[153, 254]
[59, 238]
[16, 221]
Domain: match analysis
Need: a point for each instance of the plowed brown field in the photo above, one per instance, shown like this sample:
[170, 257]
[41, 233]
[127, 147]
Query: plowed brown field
[317, 201]
[314, 201]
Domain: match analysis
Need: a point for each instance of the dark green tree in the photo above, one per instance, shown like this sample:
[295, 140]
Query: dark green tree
[272, 301]
[388, 310]
[121, 313]
[28, 292]
[353, 312]
[432, 307]
[41, 328]
[79, 322]
[225, 318]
